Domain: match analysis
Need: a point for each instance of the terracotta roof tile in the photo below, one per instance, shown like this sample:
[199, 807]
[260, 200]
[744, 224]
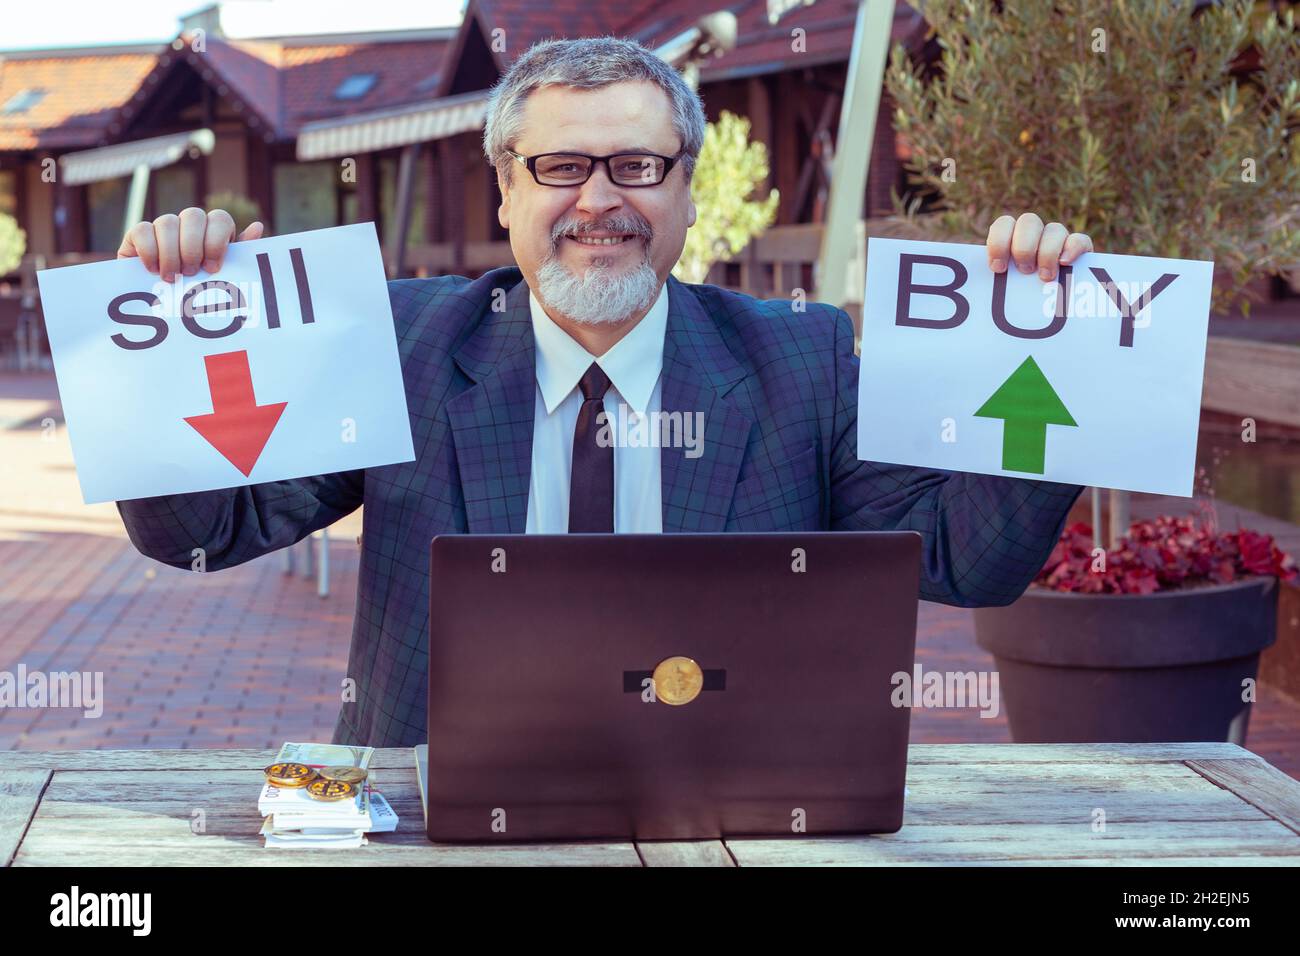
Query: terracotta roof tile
[405, 72]
[82, 94]
[288, 85]
[250, 71]
[525, 22]
[761, 46]
[765, 47]
[284, 85]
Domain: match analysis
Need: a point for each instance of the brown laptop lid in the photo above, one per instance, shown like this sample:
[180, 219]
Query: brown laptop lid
[542, 726]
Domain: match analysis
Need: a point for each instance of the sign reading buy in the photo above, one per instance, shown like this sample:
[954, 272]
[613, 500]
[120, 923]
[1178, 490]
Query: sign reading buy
[1094, 379]
[282, 365]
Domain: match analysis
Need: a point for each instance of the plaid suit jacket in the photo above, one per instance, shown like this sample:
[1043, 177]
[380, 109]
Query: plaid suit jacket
[779, 393]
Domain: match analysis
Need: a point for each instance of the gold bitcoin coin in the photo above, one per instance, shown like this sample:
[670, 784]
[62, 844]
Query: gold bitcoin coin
[345, 774]
[678, 680]
[330, 790]
[289, 774]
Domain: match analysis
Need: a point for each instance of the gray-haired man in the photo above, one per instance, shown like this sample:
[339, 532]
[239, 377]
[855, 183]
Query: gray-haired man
[594, 143]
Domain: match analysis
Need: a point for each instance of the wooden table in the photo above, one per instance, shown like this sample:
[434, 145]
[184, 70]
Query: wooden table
[1164, 804]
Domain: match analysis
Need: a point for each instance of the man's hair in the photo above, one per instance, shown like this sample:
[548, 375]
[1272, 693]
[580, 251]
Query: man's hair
[585, 64]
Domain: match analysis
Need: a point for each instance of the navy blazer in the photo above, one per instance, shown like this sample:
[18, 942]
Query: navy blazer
[778, 390]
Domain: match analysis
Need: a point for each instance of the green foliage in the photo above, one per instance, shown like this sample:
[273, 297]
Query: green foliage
[13, 243]
[727, 172]
[243, 210]
[1120, 119]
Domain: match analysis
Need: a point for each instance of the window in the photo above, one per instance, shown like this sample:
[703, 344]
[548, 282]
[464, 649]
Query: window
[106, 205]
[355, 86]
[23, 100]
[305, 196]
[174, 188]
[387, 167]
[9, 192]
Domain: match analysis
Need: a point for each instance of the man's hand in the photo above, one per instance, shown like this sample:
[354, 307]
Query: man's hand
[195, 239]
[1034, 246]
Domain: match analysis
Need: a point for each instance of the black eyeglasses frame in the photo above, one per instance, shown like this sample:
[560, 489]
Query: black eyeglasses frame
[530, 163]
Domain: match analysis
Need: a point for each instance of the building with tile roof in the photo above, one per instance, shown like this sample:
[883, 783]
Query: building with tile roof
[258, 95]
[385, 127]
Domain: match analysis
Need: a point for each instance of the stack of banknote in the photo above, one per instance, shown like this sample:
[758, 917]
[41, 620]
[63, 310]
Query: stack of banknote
[321, 795]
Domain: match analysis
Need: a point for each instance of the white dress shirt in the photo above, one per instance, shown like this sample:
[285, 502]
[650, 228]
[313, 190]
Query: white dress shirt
[633, 366]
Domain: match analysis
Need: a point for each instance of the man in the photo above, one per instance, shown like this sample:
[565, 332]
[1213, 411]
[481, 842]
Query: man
[594, 142]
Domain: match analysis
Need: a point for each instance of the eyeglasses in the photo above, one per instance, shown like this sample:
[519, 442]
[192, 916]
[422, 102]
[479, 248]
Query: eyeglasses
[574, 169]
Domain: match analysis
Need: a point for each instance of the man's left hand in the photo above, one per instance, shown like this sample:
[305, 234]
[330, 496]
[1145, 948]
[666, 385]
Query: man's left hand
[1031, 245]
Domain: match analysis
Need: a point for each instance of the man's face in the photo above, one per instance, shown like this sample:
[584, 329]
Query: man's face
[622, 117]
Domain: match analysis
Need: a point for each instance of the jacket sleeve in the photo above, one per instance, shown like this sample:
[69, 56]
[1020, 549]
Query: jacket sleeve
[983, 537]
[234, 525]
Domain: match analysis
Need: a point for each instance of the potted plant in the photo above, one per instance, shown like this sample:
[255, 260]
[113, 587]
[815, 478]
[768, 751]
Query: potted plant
[1155, 640]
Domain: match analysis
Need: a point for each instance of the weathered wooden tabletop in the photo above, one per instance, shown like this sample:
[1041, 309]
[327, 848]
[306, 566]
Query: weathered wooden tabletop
[1164, 804]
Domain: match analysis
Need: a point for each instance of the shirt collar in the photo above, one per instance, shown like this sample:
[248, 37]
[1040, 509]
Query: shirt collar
[633, 364]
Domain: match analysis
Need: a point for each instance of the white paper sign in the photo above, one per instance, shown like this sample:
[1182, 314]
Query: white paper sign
[282, 365]
[1093, 380]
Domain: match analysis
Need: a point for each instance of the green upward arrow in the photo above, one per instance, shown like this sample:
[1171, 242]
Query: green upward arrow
[1027, 403]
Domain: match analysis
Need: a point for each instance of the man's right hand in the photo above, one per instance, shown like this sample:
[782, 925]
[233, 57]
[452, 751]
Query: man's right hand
[186, 243]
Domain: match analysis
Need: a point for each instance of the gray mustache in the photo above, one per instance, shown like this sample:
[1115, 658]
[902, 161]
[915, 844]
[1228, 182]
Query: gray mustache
[632, 226]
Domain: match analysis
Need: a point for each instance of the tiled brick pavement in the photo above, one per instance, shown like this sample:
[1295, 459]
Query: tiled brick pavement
[245, 657]
[249, 657]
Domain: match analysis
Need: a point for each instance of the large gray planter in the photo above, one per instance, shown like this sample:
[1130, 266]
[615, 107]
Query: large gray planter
[1116, 668]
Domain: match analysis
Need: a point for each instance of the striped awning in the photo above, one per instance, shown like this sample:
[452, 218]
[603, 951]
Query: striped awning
[121, 159]
[397, 126]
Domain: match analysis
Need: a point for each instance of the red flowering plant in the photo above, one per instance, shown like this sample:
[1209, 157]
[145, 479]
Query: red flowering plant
[1162, 554]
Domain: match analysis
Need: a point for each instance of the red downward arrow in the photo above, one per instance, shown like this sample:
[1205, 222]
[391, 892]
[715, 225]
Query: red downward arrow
[238, 427]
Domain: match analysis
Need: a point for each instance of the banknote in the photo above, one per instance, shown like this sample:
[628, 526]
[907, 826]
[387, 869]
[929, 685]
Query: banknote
[308, 832]
[292, 818]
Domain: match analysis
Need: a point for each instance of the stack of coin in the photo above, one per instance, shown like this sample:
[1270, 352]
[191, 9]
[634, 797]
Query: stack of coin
[328, 783]
[289, 775]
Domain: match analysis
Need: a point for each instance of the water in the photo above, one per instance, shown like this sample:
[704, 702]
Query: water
[1263, 475]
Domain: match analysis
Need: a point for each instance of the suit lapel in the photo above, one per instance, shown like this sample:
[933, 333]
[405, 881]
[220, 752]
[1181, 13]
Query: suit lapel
[492, 421]
[698, 372]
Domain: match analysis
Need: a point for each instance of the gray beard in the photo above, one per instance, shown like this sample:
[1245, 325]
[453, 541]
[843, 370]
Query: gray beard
[601, 296]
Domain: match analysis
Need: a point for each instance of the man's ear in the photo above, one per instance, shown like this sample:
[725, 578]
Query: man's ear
[503, 211]
[690, 219]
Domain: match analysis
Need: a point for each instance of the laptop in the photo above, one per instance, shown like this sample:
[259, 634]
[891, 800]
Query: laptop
[668, 686]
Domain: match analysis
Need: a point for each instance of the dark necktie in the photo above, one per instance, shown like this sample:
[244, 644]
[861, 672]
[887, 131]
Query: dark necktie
[591, 489]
